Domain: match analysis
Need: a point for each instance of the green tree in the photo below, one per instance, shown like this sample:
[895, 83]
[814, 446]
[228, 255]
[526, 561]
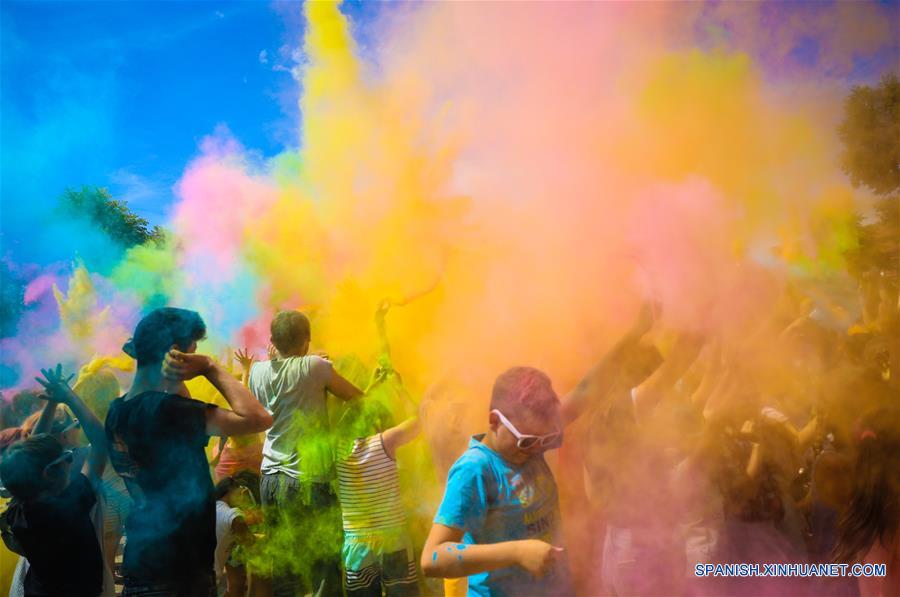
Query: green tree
[12, 295]
[113, 216]
[98, 207]
[870, 132]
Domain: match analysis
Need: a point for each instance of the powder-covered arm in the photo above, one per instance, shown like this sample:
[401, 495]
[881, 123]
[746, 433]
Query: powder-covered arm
[445, 556]
[341, 387]
[400, 434]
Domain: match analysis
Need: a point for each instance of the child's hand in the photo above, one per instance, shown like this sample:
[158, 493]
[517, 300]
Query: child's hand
[244, 358]
[379, 374]
[537, 557]
[184, 366]
[57, 387]
[272, 352]
[385, 364]
[381, 310]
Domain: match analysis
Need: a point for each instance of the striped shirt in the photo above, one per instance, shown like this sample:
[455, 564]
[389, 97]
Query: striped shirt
[369, 488]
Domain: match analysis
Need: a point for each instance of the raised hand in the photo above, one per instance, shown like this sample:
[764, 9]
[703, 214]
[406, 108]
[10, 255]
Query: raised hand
[385, 366]
[379, 375]
[56, 384]
[381, 310]
[244, 358]
[183, 366]
[272, 352]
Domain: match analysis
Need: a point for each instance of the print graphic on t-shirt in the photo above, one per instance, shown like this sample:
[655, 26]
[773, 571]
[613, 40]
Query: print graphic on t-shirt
[539, 524]
[524, 492]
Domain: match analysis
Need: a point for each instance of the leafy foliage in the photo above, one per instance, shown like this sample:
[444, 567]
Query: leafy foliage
[870, 133]
[12, 295]
[110, 215]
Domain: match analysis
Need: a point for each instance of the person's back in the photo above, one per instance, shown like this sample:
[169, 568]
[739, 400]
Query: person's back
[157, 438]
[157, 446]
[369, 488]
[293, 391]
[55, 533]
[297, 468]
[378, 551]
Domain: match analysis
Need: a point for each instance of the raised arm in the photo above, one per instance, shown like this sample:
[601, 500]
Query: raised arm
[685, 351]
[399, 435]
[380, 314]
[48, 414]
[246, 416]
[598, 382]
[58, 389]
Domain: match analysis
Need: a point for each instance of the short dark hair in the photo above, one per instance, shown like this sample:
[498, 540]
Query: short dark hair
[22, 467]
[290, 329]
[161, 329]
[524, 390]
[247, 479]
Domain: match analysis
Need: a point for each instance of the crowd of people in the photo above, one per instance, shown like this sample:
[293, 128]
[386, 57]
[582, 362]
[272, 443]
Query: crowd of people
[676, 450]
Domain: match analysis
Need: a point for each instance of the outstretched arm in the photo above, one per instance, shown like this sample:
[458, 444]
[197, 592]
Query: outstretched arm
[342, 388]
[598, 382]
[58, 389]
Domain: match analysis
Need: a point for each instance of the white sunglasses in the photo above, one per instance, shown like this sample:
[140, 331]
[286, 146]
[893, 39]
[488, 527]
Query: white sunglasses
[527, 442]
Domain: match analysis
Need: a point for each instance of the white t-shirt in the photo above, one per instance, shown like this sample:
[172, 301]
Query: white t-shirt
[293, 391]
[225, 516]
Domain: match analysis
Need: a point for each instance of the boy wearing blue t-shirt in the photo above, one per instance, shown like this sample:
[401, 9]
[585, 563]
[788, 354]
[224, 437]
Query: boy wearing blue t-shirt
[499, 521]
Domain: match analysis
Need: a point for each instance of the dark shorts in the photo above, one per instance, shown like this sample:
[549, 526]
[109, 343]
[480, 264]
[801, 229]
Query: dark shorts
[203, 585]
[302, 518]
[395, 573]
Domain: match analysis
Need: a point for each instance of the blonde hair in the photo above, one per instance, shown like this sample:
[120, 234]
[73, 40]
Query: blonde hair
[98, 386]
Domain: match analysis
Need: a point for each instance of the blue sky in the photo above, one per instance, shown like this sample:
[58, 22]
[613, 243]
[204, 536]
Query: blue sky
[118, 94]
